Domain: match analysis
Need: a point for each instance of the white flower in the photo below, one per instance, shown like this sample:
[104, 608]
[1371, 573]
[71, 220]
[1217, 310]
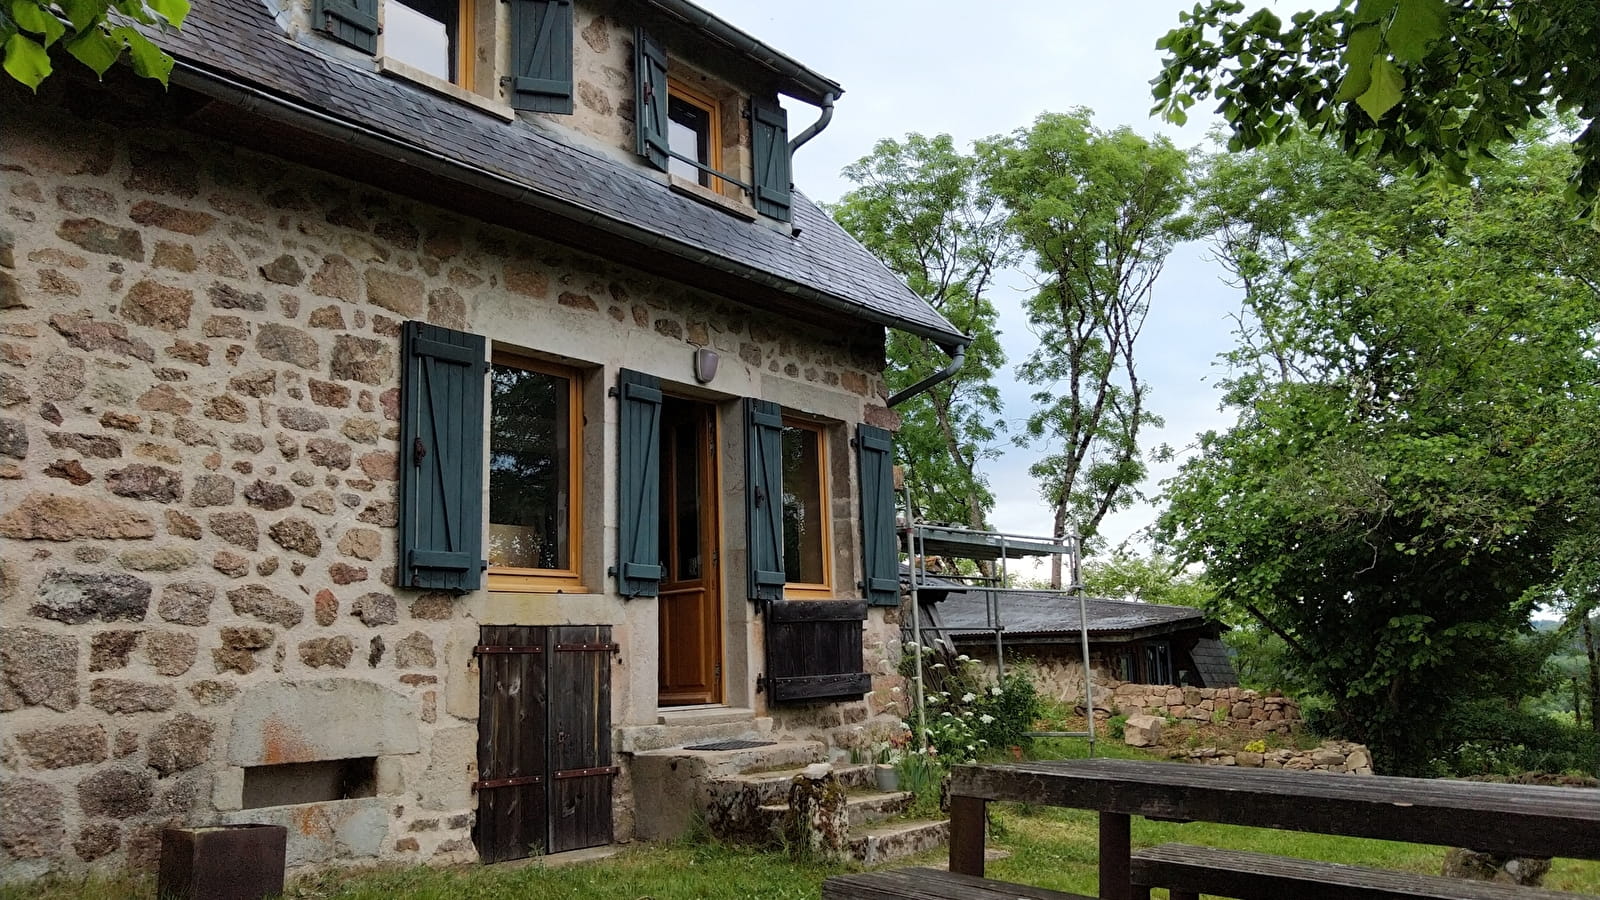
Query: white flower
[946, 714]
[986, 718]
[994, 692]
[963, 658]
[938, 665]
[895, 689]
[968, 697]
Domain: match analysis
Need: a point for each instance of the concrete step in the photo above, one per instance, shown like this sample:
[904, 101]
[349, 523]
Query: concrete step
[863, 807]
[884, 842]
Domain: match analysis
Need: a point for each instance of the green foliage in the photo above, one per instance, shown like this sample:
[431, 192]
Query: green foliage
[1096, 213]
[1418, 389]
[968, 714]
[1487, 738]
[1157, 578]
[1424, 83]
[1117, 726]
[29, 28]
[920, 206]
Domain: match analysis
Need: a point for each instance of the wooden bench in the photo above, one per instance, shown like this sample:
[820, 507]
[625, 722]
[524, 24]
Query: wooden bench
[1187, 871]
[931, 884]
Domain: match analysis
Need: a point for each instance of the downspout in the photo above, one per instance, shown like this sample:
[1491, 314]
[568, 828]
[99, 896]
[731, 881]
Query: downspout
[957, 357]
[818, 125]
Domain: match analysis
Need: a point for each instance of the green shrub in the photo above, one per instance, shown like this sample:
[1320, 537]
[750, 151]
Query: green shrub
[1117, 726]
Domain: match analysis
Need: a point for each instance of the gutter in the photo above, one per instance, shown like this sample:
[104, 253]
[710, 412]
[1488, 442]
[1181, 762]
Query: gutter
[288, 111]
[958, 355]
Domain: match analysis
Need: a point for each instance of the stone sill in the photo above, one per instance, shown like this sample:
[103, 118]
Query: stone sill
[702, 194]
[396, 69]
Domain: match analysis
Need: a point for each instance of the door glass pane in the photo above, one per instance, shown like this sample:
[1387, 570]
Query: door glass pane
[686, 503]
[803, 506]
[530, 477]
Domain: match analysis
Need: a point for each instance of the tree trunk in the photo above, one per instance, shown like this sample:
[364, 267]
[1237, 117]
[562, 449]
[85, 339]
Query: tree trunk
[1591, 647]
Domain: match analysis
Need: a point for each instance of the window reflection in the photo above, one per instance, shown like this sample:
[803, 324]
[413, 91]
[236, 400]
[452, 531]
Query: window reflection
[804, 506]
[530, 469]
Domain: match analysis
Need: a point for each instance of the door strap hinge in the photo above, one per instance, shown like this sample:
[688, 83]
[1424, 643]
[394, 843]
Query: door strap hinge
[519, 781]
[585, 773]
[505, 648]
[593, 648]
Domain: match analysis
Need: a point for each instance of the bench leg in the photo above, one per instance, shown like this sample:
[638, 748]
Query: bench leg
[967, 816]
[1182, 895]
[1115, 851]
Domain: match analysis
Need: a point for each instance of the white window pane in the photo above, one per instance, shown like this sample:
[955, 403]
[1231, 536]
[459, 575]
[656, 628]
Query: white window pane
[685, 140]
[416, 40]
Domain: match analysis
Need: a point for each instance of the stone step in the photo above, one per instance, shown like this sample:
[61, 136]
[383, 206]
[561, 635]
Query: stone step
[690, 716]
[863, 807]
[884, 842]
[771, 787]
[692, 729]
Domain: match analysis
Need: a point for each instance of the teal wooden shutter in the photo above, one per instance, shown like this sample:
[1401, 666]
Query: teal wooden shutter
[639, 486]
[541, 54]
[763, 507]
[770, 134]
[353, 22]
[880, 557]
[441, 458]
[650, 99]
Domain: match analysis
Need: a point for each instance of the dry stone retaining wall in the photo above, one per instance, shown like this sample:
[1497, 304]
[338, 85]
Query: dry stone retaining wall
[1333, 756]
[198, 404]
[1231, 707]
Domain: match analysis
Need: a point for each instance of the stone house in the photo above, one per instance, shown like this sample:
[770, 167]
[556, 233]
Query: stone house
[405, 428]
[1131, 644]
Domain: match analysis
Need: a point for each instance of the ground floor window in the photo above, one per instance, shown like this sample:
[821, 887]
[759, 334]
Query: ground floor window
[535, 475]
[806, 541]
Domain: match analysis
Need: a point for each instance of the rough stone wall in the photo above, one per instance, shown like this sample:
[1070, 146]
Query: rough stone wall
[1340, 757]
[1233, 707]
[199, 381]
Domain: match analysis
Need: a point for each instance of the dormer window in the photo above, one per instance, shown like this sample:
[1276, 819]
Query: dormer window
[693, 133]
[428, 35]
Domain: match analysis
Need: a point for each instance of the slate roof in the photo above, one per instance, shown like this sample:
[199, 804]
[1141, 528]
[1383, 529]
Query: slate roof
[1211, 658]
[1028, 612]
[234, 43]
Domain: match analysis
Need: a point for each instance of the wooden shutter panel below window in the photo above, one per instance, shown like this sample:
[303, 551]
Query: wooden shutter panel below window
[814, 651]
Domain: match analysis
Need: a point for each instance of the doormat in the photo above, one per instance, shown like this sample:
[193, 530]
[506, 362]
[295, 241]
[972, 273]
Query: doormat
[731, 745]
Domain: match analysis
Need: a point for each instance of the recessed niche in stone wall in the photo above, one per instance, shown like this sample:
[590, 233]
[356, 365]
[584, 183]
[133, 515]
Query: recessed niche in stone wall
[313, 782]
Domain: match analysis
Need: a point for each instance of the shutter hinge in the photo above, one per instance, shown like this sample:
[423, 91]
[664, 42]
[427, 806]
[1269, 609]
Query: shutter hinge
[613, 392]
[855, 444]
[761, 684]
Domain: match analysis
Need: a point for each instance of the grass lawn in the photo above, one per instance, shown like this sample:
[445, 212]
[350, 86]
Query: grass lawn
[1049, 847]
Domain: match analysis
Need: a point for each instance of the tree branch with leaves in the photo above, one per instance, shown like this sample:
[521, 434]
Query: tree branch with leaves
[94, 32]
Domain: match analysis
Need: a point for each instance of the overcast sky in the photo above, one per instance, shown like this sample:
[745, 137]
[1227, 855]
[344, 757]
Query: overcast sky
[973, 70]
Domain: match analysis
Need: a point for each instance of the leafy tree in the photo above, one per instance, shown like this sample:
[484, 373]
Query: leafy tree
[920, 206]
[95, 32]
[1096, 212]
[1421, 82]
[1418, 387]
[1149, 579]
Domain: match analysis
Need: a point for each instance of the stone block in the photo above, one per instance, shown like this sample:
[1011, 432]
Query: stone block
[1142, 731]
[306, 721]
[78, 597]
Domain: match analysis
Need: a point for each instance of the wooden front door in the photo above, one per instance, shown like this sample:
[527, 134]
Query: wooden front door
[690, 668]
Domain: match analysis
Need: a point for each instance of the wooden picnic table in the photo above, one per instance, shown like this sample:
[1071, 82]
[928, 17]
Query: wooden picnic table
[1523, 820]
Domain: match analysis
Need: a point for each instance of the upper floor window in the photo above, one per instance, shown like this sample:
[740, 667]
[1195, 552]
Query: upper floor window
[693, 134]
[431, 36]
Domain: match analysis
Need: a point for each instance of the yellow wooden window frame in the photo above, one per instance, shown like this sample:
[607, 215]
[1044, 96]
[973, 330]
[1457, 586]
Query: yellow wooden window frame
[823, 590]
[713, 111]
[568, 580]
